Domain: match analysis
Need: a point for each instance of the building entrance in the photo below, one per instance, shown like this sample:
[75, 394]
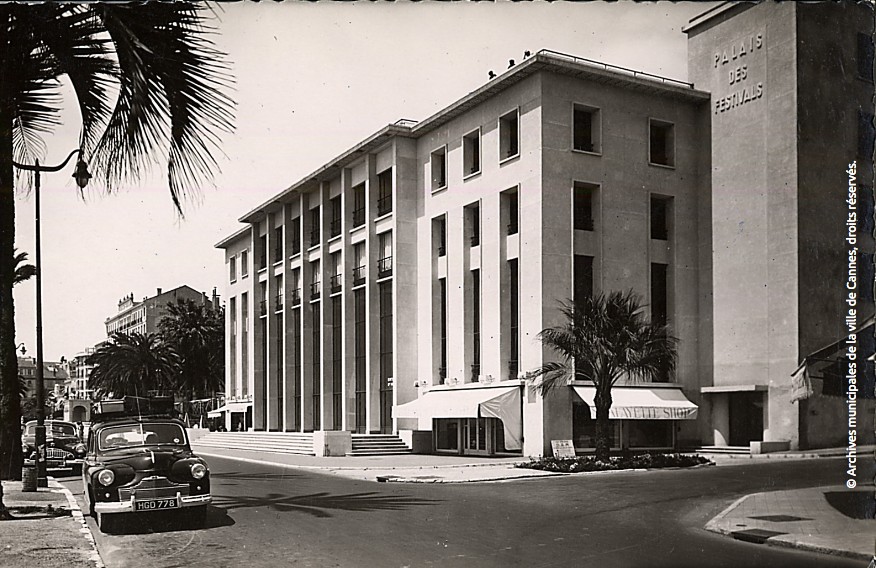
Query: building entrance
[746, 417]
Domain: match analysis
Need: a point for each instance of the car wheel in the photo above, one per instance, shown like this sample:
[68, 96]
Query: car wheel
[107, 523]
[90, 497]
[77, 469]
[196, 517]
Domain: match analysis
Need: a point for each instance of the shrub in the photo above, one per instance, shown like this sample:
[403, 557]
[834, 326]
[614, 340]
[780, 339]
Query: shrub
[590, 463]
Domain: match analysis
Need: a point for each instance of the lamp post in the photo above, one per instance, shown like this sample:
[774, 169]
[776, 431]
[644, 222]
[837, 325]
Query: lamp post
[82, 176]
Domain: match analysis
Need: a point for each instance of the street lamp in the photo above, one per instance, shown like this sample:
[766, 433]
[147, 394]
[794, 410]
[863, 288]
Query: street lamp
[82, 176]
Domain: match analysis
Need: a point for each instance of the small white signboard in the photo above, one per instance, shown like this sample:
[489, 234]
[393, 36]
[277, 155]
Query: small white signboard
[563, 449]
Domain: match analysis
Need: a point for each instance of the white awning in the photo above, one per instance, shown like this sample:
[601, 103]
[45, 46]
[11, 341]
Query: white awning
[502, 403]
[643, 403]
[230, 407]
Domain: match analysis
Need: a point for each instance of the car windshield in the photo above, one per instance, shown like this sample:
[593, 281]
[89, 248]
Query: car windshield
[67, 430]
[114, 437]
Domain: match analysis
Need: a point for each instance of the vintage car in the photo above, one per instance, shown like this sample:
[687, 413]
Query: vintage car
[64, 447]
[141, 465]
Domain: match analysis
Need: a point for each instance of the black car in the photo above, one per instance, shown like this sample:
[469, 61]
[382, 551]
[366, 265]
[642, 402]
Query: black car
[140, 465]
[64, 447]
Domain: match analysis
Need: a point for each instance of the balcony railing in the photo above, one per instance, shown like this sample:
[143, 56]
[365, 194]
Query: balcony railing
[296, 245]
[278, 303]
[314, 237]
[335, 227]
[314, 290]
[512, 228]
[358, 275]
[263, 308]
[359, 217]
[384, 205]
[384, 267]
[295, 296]
[336, 281]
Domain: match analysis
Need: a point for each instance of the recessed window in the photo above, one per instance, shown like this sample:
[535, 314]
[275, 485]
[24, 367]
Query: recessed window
[509, 135]
[359, 270]
[660, 217]
[585, 129]
[337, 272]
[336, 217]
[314, 280]
[584, 195]
[232, 269]
[295, 287]
[511, 210]
[295, 237]
[359, 205]
[471, 153]
[439, 168]
[384, 262]
[865, 57]
[384, 192]
[661, 143]
[244, 263]
[314, 227]
[473, 223]
[439, 235]
[583, 278]
[278, 244]
[263, 252]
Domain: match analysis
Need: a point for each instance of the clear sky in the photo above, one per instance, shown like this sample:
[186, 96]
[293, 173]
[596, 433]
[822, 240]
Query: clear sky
[312, 80]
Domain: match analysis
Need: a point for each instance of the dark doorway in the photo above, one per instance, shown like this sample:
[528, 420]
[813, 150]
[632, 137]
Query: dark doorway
[746, 418]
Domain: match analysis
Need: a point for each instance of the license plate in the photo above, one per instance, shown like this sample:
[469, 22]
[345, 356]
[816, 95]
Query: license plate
[156, 504]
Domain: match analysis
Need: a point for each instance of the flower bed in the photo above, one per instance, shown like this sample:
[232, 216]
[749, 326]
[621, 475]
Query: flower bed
[589, 463]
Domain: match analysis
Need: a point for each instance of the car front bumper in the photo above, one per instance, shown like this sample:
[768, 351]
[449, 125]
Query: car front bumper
[55, 463]
[128, 506]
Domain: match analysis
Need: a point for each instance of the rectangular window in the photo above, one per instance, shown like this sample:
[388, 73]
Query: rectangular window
[509, 199]
[509, 136]
[514, 358]
[336, 217]
[296, 369]
[278, 288]
[471, 153]
[316, 375]
[865, 57]
[439, 226]
[337, 363]
[582, 209]
[439, 168]
[583, 284]
[278, 244]
[659, 294]
[314, 227]
[359, 205]
[384, 262]
[280, 363]
[263, 252]
[384, 192]
[386, 373]
[659, 218]
[361, 368]
[244, 344]
[473, 222]
[295, 237]
[263, 299]
[295, 287]
[244, 263]
[359, 270]
[232, 347]
[866, 132]
[314, 280]
[585, 129]
[475, 324]
[442, 298]
[337, 272]
[232, 269]
[661, 143]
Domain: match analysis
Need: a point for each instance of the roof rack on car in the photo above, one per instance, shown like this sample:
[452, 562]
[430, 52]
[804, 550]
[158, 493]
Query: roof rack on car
[134, 407]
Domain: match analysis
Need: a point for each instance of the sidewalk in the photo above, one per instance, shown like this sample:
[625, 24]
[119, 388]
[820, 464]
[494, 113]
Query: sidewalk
[48, 531]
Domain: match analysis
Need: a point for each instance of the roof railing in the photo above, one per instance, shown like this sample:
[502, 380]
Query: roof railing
[610, 67]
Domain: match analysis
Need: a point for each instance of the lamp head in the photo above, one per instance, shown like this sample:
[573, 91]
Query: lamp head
[81, 174]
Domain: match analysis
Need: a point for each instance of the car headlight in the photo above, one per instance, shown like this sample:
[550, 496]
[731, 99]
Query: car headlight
[199, 470]
[106, 477]
[79, 449]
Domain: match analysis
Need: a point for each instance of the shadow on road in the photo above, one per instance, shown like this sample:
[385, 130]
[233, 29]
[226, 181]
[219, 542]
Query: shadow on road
[321, 504]
[241, 476]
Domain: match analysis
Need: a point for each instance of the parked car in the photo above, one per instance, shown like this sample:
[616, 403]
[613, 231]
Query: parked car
[64, 447]
[140, 465]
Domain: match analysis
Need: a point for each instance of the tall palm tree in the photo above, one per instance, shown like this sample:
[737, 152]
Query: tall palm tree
[135, 364]
[21, 271]
[150, 86]
[603, 339]
[197, 333]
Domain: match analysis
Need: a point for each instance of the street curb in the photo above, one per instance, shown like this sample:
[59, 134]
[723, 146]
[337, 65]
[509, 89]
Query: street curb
[77, 514]
[782, 541]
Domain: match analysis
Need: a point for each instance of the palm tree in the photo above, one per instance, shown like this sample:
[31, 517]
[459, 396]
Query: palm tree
[21, 271]
[149, 85]
[136, 364]
[197, 333]
[604, 339]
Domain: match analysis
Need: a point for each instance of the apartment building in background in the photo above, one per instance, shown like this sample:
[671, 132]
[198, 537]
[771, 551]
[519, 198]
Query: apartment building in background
[401, 287]
[143, 316]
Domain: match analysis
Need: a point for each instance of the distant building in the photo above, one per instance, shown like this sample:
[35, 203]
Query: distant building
[55, 377]
[143, 316]
[401, 287]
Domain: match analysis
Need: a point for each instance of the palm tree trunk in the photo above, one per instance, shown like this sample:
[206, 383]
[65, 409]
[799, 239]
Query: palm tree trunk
[603, 425]
[10, 403]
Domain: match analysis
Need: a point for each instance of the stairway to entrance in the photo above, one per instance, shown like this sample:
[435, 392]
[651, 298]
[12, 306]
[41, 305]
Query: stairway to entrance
[378, 445]
[725, 450]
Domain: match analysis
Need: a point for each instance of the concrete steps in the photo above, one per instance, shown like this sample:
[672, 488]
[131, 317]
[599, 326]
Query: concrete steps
[273, 442]
[378, 445]
[725, 450]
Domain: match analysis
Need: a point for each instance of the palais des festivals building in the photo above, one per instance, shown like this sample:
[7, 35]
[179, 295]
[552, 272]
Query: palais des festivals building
[399, 289]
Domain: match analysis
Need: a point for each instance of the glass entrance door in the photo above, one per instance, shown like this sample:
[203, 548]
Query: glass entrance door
[477, 436]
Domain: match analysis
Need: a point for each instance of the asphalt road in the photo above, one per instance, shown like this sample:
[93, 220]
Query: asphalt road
[271, 516]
